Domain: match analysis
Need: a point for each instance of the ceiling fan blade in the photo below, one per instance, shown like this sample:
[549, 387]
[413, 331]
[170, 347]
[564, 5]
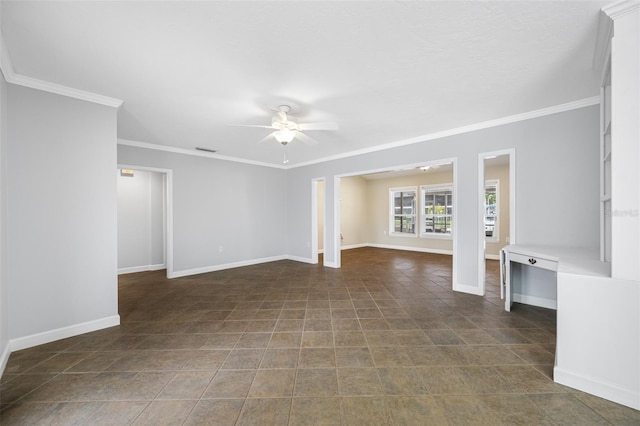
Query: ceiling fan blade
[306, 139]
[318, 126]
[251, 125]
[266, 138]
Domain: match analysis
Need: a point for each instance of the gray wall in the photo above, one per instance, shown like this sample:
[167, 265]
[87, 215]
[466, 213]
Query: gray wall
[239, 207]
[61, 235]
[556, 173]
[4, 305]
[140, 221]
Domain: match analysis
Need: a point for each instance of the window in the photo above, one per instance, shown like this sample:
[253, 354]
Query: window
[437, 210]
[491, 223]
[402, 220]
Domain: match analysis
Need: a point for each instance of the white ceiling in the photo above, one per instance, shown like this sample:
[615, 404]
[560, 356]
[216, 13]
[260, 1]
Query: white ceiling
[384, 71]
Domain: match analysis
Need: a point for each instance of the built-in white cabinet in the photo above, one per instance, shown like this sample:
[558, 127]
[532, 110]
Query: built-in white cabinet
[598, 331]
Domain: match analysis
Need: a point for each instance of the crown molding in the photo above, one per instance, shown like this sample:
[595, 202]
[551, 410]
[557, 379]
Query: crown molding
[603, 42]
[33, 83]
[582, 103]
[175, 150]
[621, 8]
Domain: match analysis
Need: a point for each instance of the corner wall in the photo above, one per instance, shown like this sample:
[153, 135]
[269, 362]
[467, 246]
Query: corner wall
[61, 223]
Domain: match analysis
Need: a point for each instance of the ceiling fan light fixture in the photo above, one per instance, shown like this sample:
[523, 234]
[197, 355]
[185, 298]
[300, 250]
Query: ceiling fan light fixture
[284, 136]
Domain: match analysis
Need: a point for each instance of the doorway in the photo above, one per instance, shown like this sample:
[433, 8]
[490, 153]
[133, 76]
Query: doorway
[317, 219]
[496, 214]
[409, 207]
[145, 234]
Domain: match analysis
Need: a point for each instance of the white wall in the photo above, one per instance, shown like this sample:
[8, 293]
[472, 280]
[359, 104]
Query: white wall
[239, 207]
[61, 234]
[557, 161]
[140, 222]
[321, 215]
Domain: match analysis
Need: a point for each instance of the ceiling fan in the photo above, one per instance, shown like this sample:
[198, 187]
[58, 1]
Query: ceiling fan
[285, 128]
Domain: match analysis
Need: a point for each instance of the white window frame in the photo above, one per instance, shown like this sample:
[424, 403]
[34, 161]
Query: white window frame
[392, 231]
[424, 189]
[496, 227]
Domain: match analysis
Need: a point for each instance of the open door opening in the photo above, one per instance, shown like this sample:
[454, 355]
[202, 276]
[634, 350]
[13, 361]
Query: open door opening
[409, 208]
[496, 216]
[318, 220]
[144, 220]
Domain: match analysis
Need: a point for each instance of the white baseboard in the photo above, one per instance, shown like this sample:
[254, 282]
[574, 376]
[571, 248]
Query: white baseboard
[492, 256]
[405, 248]
[354, 246]
[213, 268]
[143, 268]
[223, 266]
[535, 301]
[62, 333]
[469, 289]
[301, 259]
[4, 357]
[611, 392]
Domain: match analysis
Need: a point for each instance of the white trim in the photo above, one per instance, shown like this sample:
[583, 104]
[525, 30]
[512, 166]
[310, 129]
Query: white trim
[63, 333]
[143, 268]
[315, 219]
[621, 8]
[603, 43]
[223, 266]
[33, 83]
[194, 152]
[492, 256]
[609, 391]
[511, 152]
[4, 357]
[535, 301]
[463, 288]
[420, 216]
[337, 218]
[405, 248]
[354, 246]
[454, 221]
[569, 106]
[392, 213]
[300, 259]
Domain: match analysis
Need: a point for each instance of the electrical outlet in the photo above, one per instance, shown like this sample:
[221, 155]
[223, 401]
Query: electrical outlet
[220, 249]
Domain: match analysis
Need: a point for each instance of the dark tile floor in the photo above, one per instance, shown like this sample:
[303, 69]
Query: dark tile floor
[383, 340]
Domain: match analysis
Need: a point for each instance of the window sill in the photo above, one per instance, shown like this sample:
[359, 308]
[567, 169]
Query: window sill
[403, 235]
[437, 236]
